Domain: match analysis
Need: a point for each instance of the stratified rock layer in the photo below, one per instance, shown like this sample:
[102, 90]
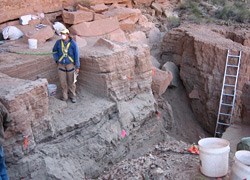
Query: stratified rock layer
[201, 54]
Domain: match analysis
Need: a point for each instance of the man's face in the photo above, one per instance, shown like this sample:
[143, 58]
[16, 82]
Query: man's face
[64, 36]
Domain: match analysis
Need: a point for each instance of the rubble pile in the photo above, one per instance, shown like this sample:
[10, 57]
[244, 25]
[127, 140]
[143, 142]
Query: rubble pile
[158, 164]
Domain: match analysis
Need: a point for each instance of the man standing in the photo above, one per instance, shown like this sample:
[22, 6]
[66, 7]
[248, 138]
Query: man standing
[66, 55]
[5, 121]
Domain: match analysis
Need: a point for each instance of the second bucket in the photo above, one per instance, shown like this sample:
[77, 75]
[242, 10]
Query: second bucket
[214, 156]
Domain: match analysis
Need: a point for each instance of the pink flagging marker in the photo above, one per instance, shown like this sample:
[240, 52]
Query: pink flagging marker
[124, 133]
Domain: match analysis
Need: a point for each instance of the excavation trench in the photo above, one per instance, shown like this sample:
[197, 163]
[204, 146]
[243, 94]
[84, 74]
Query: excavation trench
[116, 117]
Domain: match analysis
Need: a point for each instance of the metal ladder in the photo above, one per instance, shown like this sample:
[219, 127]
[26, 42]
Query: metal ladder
[228, 93]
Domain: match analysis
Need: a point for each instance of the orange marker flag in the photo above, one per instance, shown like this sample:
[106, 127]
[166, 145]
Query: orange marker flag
[25, 142]
[193, 149]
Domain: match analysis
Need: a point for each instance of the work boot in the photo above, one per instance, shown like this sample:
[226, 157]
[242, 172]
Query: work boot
[73, 100]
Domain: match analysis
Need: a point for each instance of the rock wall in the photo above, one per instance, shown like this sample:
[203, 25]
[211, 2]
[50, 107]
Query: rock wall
[118, 72]
[27, 103]
[29, 69]
[245, 97]
[200, 52]
[53, 139]
[11, 10]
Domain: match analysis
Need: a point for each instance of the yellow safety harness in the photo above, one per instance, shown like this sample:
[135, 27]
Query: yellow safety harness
[65, 52]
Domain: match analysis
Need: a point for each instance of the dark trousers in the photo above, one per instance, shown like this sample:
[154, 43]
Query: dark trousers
[3, 169]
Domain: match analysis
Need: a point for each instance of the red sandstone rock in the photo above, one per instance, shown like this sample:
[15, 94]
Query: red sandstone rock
[117, 35]
[99, 16]
[109, 1]
[201, 56]
[129, 23]
[127, 17]
[145, 2]
[77, 17]
[82, 8]
[160, 80]
[14, 9]
[99, 8]
[27, 103]
[95, 28]
[123, 13]
[118, 74]
[106, 44]
[139, 37]
[158, 8]
[42, 35]
[143, 22]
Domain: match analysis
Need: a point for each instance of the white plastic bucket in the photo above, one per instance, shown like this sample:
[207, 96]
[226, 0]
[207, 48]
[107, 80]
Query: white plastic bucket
[32, 43]
[241, 166]
[52, 89]
[214, 156]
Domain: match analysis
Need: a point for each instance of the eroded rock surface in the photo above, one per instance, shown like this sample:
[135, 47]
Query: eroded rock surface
[201, 54]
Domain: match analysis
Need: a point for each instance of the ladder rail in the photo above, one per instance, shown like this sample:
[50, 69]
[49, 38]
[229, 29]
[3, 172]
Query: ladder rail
[223, 94]
[236, 83]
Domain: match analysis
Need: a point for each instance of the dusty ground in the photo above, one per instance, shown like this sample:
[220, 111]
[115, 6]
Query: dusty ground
[169, 159]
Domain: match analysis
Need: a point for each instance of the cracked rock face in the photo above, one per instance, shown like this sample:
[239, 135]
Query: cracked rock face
[200, 52]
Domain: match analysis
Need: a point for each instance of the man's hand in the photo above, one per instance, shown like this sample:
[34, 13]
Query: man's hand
[77, 70]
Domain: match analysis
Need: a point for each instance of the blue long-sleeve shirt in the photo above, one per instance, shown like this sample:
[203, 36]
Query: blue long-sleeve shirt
[73, 52]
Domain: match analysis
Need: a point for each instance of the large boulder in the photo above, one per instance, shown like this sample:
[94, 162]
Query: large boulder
[42, 35]
[117, 36]
[160, 81]
[170, 66]
[99, 8]
[95, 28]
[76, 17]
[127, 16]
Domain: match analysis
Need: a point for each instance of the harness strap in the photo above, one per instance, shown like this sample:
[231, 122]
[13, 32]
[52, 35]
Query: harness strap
[65, 52]
[65, 70]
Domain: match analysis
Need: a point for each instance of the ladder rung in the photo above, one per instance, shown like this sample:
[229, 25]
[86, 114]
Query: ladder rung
[230, 65]
[225, 104]
[225, 114]
[229, 85]
[228, 75]
[225, 124]
[234, 56]
[228, 95]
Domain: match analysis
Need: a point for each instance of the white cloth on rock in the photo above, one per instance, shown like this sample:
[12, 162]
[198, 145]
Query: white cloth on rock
[12, 33]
